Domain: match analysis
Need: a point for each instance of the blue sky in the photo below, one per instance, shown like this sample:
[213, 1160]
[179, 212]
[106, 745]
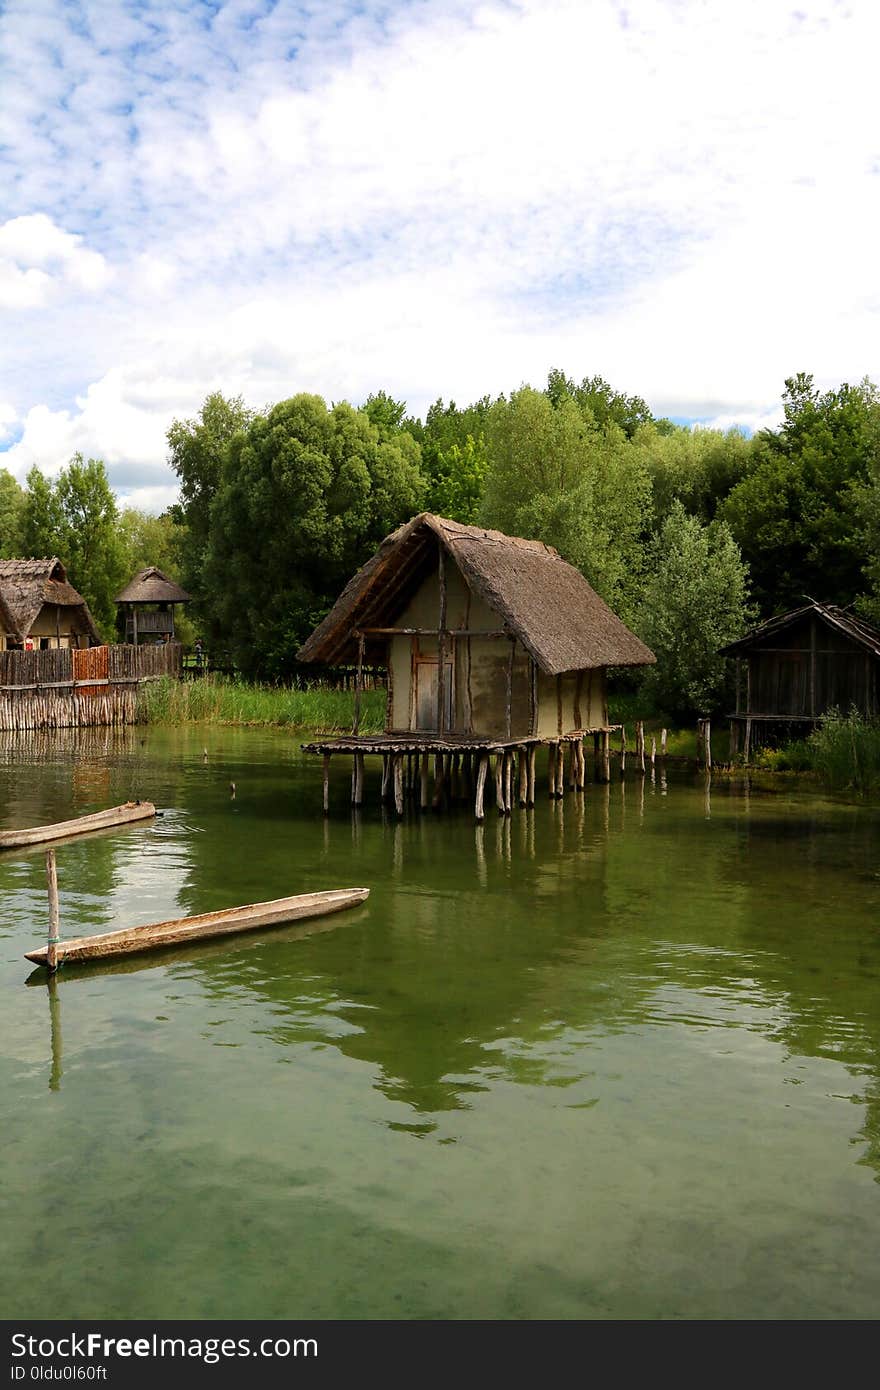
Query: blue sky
[439, 198]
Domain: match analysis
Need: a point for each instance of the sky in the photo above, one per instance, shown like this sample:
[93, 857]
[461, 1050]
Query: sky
[434, 198]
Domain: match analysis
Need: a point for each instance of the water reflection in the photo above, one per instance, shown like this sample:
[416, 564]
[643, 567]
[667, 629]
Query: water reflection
[614, 1029]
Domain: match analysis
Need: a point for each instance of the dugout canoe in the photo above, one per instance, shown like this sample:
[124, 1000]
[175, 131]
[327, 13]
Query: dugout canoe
[81, 825]
[182, 930]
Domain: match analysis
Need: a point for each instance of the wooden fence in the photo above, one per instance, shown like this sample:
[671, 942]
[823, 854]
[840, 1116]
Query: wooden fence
[65, 687]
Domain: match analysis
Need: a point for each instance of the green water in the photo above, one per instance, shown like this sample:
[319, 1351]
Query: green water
[617, 1057]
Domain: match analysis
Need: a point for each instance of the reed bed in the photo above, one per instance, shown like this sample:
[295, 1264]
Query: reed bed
[225, 700]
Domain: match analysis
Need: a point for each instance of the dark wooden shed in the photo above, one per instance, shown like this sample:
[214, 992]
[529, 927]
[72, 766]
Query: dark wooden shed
[795, 668]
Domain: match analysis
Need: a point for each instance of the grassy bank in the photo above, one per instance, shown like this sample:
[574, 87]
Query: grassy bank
[844, 752]
[221, 700]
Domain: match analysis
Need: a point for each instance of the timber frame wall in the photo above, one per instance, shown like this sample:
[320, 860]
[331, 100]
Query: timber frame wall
[68, 687]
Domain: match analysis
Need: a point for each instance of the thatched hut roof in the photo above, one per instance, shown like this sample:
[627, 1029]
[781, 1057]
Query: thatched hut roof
[862, 633]
[152, 586]
[544, 601]
[27, 585]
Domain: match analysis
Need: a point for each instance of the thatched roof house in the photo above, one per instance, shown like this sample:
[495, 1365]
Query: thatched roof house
[482, 633]
[803, 663]
[40, 608]
[147, 604]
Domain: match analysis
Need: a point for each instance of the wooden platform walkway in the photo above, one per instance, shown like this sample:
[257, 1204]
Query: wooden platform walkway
[458, 765]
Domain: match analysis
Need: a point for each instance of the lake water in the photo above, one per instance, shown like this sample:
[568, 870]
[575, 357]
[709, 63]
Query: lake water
[614, 1058]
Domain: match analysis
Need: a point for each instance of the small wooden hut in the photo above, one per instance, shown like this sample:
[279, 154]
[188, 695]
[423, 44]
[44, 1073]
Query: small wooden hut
[491, 644]
[146, 606]
[802, 664]
[40, 609]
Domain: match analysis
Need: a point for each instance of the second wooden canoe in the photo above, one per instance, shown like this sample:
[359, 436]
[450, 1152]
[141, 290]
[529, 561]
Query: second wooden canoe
[80, 825]
[180, 930]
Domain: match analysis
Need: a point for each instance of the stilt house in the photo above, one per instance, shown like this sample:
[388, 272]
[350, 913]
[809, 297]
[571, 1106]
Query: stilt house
[146, 607]
[794, 668]
[490, 642]
[40, 609]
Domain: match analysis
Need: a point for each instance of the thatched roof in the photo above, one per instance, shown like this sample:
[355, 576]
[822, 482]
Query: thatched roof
[152, 586]
[543, 601]
[27, 585]
[862, 633]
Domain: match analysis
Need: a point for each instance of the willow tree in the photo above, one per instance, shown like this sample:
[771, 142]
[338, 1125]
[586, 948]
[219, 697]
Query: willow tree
[305, 495]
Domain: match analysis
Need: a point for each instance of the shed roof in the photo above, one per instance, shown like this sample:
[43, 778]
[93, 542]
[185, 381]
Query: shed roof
[152, 586]
[543, 600]
[26, 585]
[862, 633]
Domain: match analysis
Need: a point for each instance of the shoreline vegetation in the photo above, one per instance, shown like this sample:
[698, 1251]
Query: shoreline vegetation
[843, 754]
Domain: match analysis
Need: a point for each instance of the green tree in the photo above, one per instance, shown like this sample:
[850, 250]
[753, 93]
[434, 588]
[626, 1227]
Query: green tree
[197, 449]
[42, 519]
[698, 467]
[76, 518]
[696, 600]
[798, 512]
[455, 458]
[556, 476]
[305, 496]
[92, 545]
[599, 401]
[12, 504]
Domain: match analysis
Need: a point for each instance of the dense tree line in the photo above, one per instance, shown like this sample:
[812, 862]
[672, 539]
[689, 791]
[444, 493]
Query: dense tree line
[75, 516]
[689, 534]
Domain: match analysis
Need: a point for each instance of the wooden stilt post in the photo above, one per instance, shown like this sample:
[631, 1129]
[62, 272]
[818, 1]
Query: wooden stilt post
[326, 784]
[386, 775]
[560, 770]
[482, 769]
[358, 797]
[508, 781]
[523, 781]
[747, 743]
[425, 789]
[707, 744]
[572, 767]
[530, 790]
[499, 782]
[606, 756]
[653, 750]
[640, 748]
[662, 743]
[551, 770]
[398, 783]
[54, 915]
[360, 681]
[622, 749]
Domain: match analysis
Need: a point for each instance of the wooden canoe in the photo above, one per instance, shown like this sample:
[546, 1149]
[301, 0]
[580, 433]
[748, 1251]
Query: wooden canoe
[81, 825]
[181, 930]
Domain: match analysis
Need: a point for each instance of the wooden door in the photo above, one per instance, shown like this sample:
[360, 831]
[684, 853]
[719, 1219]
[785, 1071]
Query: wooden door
[426, 671]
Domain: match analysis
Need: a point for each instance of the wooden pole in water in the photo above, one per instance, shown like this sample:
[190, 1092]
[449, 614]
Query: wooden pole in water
[326, 784]
[530, 791]
[508, 781]
[653, 750]
[640, 747]
[54, 915]
[499, 782]
[622, 749]
[425, 793]
[662, 743]
[523, 783]
[482, 769]
[398, 783]
[707, 743]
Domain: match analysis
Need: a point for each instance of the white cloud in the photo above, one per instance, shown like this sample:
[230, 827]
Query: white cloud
[37, 256]
[441, 199]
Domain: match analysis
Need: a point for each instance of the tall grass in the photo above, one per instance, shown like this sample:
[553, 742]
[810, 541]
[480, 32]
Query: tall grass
[224, 700]
[845, 751]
